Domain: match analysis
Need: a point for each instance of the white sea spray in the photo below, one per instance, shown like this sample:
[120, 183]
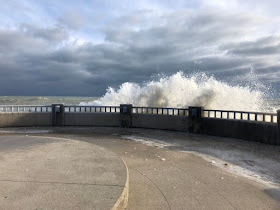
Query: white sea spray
[179, 90]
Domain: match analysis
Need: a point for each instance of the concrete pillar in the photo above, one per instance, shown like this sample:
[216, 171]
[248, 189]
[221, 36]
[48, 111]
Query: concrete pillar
[195, 119]
[126, 115]
[278, 127]
[58, 111]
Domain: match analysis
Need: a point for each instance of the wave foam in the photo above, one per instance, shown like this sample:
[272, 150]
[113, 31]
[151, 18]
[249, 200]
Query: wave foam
[181, 90]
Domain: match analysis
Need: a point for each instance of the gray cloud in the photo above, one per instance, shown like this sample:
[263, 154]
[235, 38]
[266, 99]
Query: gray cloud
[35, 61]
[266, 46]
[74, 19]
[52, 34]
[13, 41]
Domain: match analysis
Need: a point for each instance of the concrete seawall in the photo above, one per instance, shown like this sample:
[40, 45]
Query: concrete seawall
[195, 122]
[252, 131]
[92, 119]
[21, 119]
[164, 122]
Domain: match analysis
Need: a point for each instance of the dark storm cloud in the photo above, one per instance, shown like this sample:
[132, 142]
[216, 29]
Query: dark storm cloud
[137, 46]
[267, 46]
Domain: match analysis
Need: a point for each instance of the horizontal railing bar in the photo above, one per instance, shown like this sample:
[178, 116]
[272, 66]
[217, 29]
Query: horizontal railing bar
[212, 110]
[25, 106]
[243, 112]
[91, 106]
[149, 107]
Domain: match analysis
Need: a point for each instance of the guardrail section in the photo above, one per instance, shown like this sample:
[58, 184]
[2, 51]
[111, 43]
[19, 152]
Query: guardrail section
[93, 109]
[160, 111]
[24, 108]
[241, 115]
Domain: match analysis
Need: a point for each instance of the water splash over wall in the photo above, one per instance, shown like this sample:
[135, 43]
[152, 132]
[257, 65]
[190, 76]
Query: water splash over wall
[179, 90]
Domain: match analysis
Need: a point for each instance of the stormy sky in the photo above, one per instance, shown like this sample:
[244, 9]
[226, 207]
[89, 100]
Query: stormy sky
[79, 48]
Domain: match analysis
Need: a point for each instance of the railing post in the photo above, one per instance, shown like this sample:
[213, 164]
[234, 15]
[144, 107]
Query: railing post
[58, 111]
[278, 127]
[126, 115]
[195, 119]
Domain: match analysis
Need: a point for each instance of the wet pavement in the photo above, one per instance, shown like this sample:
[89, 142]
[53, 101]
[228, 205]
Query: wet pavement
[177, 170]
[55, 173]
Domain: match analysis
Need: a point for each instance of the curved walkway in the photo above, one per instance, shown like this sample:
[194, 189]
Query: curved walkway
[176, 170]
[54, 173]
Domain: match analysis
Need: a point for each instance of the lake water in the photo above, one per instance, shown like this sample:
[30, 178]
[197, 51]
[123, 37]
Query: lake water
[274, 104]
[43, 100]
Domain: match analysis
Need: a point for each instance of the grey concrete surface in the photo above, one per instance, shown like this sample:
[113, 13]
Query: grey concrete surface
[18, 119]
[177, 170]
[263, 132]
[165, 122]
[92, 119]
[53, 173]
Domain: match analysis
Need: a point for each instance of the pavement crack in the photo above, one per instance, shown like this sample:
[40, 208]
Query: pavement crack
[63, 183]
[154, 185]
[197, 200]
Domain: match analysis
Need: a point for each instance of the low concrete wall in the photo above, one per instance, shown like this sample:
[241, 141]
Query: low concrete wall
[92, 119]
[264, 132]
[25, 119]
[253, 131]
[166, 122]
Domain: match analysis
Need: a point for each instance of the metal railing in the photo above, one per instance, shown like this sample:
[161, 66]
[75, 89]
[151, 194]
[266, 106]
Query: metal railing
[219, 114]
[160, 111]
[24, 108]
[92, 109]
[241, 115]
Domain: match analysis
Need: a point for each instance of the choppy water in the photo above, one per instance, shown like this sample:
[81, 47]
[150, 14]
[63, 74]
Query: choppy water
[43, 100]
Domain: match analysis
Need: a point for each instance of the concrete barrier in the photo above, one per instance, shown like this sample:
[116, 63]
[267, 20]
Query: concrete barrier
[19, 119]
[165, 122]
[248, 130]
[92, 119]
[264, 132]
